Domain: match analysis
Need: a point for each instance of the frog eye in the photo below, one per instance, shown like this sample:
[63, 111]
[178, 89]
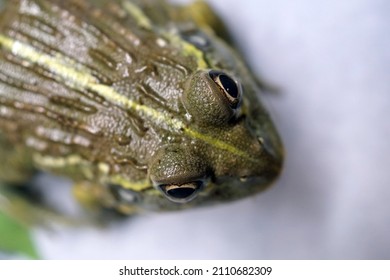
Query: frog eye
[230, 88]
[181, 193]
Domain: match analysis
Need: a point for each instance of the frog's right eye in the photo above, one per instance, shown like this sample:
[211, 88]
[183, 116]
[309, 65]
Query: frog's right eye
[181, 193]
[178, 173]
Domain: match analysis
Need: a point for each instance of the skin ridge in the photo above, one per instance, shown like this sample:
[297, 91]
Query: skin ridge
[80, 79]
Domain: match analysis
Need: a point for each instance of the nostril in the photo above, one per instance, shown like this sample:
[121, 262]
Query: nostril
[180, 192]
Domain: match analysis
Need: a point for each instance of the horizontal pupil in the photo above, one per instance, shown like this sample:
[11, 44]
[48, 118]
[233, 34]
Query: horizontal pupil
[181, 192]
[229, 85]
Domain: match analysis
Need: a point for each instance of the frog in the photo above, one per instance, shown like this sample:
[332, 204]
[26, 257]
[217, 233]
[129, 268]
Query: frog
[144, 105]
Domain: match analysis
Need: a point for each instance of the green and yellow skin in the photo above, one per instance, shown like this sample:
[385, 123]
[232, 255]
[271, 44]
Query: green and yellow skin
[143, 104]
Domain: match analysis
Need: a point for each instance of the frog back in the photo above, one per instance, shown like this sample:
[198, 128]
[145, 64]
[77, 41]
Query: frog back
[76, 88]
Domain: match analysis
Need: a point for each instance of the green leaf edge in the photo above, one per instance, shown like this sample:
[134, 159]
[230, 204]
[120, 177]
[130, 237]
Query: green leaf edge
[16, 237]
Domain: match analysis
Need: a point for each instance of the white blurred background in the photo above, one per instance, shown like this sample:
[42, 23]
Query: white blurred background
[331, 62]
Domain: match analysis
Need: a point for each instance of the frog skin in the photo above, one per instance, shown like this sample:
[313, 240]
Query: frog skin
[143, 104]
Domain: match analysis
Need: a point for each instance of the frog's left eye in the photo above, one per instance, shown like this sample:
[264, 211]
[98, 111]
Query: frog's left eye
[212, 97]
[230, 88]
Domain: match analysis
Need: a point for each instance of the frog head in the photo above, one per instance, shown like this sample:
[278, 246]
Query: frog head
[229, 148]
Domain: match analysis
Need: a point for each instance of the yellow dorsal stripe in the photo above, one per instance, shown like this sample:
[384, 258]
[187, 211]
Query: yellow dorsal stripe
[138, 14]
[78, 77]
